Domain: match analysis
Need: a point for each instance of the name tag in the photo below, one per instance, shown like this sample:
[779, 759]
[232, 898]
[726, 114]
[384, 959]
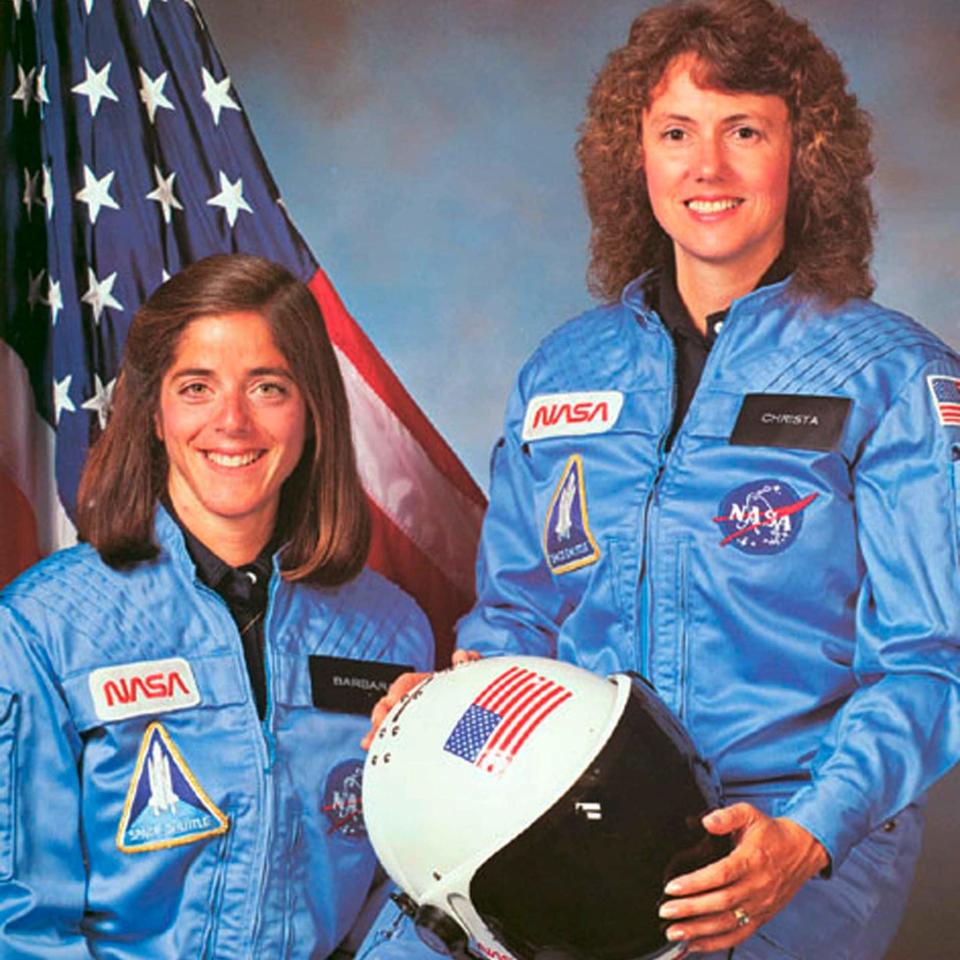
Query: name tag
[351, 686]
[790, 420]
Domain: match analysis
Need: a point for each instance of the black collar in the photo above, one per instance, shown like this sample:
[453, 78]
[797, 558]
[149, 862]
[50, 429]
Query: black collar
[243, 586]
[673, 311]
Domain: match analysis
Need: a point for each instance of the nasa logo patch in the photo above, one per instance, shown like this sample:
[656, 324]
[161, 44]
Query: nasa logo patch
[165, 805]
[571, 414]
[568, 543]
[343, 800]
[764, 516]
[147, 686]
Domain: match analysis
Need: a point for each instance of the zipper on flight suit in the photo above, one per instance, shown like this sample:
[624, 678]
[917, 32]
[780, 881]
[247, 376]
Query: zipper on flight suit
[270, 782]
[651, 513]
[267, 744]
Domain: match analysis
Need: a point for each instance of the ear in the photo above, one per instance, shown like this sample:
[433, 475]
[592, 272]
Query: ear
[158, 426]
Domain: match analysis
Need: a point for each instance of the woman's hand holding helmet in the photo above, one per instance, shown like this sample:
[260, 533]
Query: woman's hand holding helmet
[400, 688]
[722, 904]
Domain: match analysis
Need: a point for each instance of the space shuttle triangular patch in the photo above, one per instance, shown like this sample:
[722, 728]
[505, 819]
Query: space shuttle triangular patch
[568, 543]
[165, 805]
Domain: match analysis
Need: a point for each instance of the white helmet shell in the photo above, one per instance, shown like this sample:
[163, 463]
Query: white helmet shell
[465, 769]
[432, 772]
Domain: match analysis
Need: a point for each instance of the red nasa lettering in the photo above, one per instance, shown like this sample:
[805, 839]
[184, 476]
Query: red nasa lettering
[493, 954]
[585, 411]
[152, 686]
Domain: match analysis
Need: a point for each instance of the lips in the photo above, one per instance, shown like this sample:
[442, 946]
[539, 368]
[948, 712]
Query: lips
[719, 205]
[233, 459]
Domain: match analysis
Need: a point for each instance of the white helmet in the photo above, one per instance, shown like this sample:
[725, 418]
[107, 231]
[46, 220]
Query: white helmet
[537, 809]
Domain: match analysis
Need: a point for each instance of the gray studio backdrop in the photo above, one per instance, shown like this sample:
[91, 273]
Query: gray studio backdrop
[424, 148]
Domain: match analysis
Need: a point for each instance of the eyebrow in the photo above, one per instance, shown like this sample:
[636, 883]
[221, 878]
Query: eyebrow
[733, 118]
[255, 372]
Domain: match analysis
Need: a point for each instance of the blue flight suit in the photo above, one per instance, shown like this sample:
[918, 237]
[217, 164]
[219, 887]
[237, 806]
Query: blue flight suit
[145, 811]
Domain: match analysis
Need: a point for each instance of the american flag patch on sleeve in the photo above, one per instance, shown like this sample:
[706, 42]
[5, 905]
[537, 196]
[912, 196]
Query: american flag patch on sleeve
[946, 398]
[501, 718]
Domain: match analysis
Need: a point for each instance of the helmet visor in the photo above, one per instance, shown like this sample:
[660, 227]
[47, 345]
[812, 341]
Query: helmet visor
[586, 878]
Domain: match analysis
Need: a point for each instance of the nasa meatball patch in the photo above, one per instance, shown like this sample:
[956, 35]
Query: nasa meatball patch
[343, 800]
[568, 543]
[762, 517]
[165, 805]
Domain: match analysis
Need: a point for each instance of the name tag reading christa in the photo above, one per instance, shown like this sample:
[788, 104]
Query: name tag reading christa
[351, 686]
[790, 420]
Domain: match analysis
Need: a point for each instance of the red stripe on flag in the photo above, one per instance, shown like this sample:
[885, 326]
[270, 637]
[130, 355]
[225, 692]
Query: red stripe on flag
[492, 689]
[18, 523]
[567, 695]
[521, 714]
[506, 695]
[396, 557]
[347, 335]
[545, 702]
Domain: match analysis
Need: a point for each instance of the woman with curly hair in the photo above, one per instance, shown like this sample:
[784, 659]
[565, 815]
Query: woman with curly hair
[740, 479]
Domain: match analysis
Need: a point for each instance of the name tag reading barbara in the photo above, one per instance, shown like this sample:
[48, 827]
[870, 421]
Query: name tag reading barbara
[790, 420]
[351, 686]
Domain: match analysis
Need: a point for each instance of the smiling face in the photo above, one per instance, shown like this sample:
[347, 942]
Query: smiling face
[233, 423]
[717, 167]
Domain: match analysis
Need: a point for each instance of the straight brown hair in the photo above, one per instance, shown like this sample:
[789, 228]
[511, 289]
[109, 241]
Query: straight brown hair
[323, 517]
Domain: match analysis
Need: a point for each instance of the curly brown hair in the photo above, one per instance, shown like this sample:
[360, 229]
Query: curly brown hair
[741, 46]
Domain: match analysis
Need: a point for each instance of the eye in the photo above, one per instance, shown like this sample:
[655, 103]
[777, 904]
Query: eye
[271, 389]
[674, 135]
[746, 133]
[194, 388]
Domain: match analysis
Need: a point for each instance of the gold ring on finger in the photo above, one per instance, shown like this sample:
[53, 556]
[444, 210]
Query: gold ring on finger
[741, 916]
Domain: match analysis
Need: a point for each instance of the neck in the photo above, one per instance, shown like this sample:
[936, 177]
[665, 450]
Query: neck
[235, 540]
[707, 288]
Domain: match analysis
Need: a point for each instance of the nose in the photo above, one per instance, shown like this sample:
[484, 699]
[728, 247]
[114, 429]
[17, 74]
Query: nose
[709, 160]
[233, 415]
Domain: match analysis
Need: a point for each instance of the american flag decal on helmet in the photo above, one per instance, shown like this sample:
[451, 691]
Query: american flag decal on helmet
[501, 718]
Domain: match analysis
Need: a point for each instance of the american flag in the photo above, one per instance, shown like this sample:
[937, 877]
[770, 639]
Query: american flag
[946, 398]
[501, 718]
[126, 154]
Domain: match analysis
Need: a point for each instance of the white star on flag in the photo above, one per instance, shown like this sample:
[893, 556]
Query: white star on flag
[164, 194]
[151, 93]
[54, 300]
[216, 95]
[145, 6]
[230, 198]
[24, 91]
[61, 397]
[16, 7]
[34, 296]
[48, 191]
[30, 198]
[100, 401]
[95, 86]
[96, 193]
[100, 294]
[89, 5]
[40, 94]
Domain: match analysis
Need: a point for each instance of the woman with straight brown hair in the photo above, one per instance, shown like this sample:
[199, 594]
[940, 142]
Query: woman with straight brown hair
[179, 707]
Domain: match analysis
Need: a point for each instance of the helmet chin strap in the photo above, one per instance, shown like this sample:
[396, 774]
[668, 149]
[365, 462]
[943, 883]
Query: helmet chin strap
[437, 929]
